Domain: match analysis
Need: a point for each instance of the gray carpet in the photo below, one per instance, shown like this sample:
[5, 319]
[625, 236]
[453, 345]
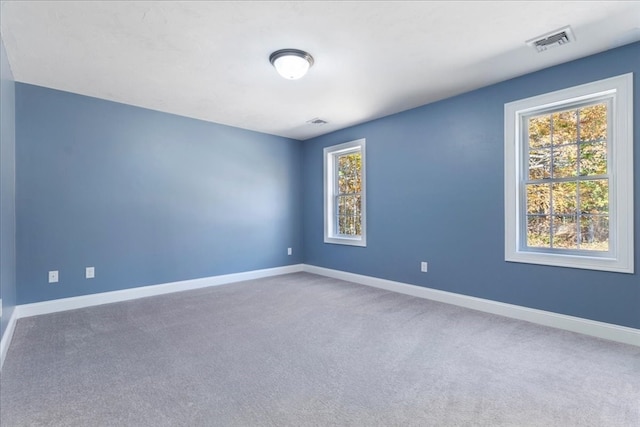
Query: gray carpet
[305, 350]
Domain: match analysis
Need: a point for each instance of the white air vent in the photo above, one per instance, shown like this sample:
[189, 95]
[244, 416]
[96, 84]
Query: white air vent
[553, 39]
[317, 121]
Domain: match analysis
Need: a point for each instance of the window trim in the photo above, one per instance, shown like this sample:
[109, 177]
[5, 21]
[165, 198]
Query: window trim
[330, 153]
[620, 257]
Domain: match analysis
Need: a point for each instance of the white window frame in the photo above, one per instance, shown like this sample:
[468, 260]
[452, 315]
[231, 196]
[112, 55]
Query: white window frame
[620, 257]
[330, 154]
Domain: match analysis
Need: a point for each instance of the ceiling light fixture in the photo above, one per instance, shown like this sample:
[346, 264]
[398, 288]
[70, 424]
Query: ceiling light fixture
[317, 121]
[291, 63]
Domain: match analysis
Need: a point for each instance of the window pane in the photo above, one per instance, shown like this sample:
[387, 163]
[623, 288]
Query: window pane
[347, 205]
[539, 163]
[538, 231]
[357, 217]
[565, 232]
[564, 198]
[565, 127]
[538, 199]
[594, 232]
[341, 202]
[349, 215]
[343, 225]
[594, 196]
[593, 123]
[349, 167]
[593, 159]
[540, 131]
[565, 161]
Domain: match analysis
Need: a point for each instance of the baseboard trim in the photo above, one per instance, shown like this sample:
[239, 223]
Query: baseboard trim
[5, 342]
[570, 323]
[63, 304]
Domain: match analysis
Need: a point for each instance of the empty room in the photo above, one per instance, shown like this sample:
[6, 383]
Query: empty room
[319, 213]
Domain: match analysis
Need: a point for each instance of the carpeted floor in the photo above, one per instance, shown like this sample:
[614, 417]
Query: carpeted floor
[305, 350]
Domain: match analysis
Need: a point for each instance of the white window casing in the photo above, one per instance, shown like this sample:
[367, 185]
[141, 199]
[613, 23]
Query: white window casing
[618, 93]
[331, 155]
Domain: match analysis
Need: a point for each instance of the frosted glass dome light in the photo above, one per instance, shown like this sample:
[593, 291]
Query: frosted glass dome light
[291, 63]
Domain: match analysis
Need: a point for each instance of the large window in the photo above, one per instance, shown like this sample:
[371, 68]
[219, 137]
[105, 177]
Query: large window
[344, 194]
[569, 177]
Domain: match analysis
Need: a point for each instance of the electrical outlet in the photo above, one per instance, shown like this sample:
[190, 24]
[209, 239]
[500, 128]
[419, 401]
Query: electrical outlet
[289, 251]
[90, 272]
[423, 266]
[53, 276]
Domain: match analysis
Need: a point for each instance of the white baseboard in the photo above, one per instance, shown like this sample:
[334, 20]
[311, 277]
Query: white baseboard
[63, 304]
[575, 324]
[7, 336]
[570, 323]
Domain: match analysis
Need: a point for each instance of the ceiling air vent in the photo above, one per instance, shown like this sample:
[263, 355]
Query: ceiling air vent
[317, 121]
[552, 39]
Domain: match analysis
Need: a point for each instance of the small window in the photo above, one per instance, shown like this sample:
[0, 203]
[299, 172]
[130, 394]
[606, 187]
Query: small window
[344, 194]
[569, 177]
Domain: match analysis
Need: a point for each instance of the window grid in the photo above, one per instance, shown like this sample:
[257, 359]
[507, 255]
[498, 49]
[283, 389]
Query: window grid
[347, 218]
[577, 215]
[345, 214]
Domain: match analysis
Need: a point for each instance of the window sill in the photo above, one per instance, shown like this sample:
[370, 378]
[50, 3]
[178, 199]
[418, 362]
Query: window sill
[349, 241]
[572, 261]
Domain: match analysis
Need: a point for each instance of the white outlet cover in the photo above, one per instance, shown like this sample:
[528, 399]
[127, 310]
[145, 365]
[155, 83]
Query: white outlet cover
[90, 272]
[289, 251]
[53, 276]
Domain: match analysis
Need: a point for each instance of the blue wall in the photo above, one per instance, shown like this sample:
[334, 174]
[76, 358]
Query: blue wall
[145, 197]
[435, 193]
[148, 198]
[7, 191]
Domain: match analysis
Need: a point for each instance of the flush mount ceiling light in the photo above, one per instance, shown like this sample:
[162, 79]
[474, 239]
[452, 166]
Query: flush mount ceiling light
[291, 63]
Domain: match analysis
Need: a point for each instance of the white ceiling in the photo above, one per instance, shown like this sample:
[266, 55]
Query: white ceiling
[210, 60]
